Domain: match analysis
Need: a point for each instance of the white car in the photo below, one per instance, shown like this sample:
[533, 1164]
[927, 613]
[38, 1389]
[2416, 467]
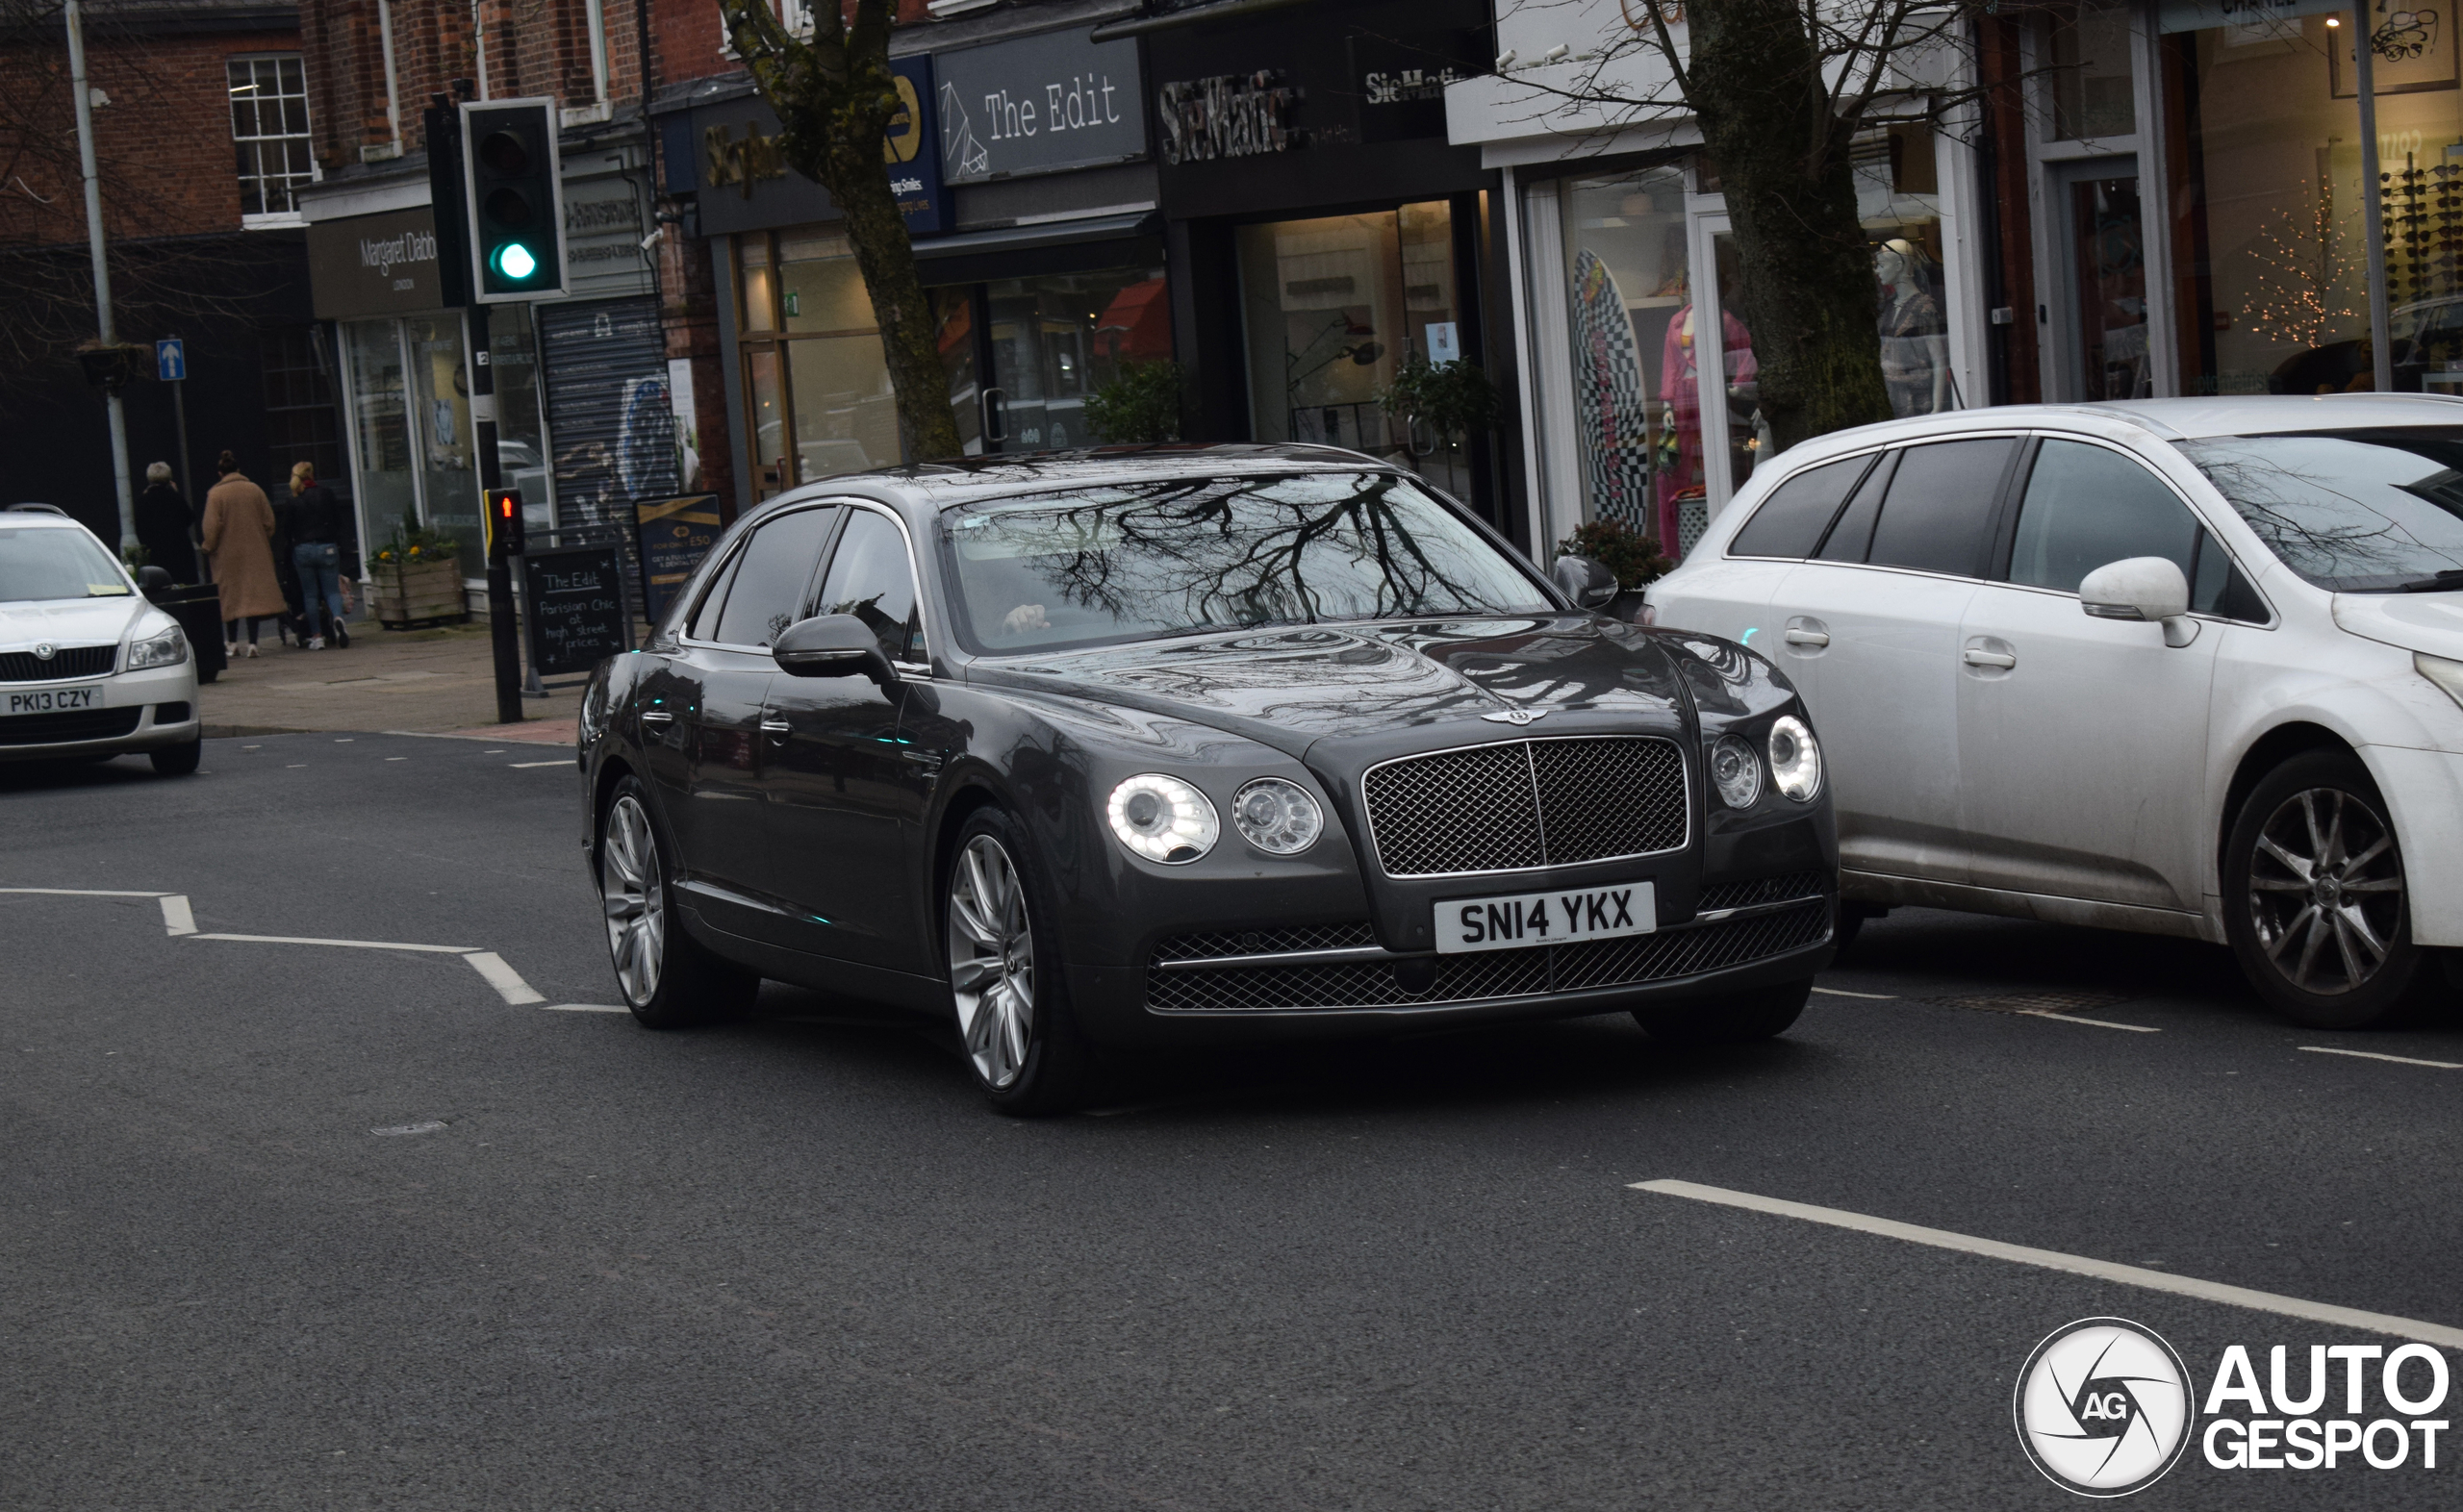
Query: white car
[2190, 666]
[87, 667]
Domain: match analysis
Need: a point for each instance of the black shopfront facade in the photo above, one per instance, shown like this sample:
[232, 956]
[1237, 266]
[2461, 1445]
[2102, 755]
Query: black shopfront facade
[1321, 231]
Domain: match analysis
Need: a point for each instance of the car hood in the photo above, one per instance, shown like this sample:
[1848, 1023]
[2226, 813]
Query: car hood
[68, 621]
[1290, 689]
[2430, 622]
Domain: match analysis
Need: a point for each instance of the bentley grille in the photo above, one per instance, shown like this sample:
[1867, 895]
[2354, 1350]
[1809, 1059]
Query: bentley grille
[1523, 804]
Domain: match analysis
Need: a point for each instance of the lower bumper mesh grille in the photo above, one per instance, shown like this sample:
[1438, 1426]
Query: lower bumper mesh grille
[82, 724]
[1669, 953]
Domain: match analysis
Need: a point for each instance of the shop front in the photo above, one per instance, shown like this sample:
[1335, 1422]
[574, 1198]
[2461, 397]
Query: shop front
[1328, 235]
[1020, 164]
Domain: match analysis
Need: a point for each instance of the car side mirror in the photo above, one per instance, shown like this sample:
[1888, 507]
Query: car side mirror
[1586, 582]
[153, 579]
[832, 645]
[2141, 588]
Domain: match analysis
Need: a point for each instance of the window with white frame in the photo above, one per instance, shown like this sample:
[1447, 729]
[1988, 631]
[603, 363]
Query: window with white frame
[270, 127]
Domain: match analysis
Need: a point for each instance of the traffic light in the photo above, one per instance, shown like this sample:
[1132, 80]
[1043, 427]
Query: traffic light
[515, 200]
[504, 523]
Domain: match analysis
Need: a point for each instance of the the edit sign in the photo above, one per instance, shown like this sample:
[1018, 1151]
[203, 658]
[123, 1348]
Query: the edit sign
[1038, 105]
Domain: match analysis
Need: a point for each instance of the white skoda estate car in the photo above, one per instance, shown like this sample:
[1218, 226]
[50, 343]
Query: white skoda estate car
[87, 667]
[2190, 666]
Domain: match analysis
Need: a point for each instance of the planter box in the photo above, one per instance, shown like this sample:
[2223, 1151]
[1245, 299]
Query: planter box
[406, 593]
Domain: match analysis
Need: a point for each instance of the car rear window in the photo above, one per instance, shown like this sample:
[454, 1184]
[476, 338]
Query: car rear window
[1791, 522]
[1939, 508]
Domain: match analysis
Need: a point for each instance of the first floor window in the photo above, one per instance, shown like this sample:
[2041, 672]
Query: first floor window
[270, 127]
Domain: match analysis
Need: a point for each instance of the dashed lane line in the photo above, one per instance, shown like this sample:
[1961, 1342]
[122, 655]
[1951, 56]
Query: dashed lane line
[585, 1008]
[2374, 1055]
[349, 945]
[519, 766]
[504, 978]
[177, 919]
[2438, 1334]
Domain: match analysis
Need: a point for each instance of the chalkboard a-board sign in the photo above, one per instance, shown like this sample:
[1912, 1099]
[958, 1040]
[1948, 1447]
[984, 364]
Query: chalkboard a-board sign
[574, 599]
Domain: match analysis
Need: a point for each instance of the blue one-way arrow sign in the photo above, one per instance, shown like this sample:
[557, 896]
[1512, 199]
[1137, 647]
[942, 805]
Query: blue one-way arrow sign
[170, 359]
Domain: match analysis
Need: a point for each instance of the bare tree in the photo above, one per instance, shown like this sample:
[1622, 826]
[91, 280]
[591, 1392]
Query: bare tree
[835, 96]
[1781, 89]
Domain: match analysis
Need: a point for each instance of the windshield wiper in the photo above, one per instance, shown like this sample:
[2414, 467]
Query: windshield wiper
[2449, 581]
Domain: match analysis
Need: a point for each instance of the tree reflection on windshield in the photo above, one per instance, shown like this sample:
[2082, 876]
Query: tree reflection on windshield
[1132, 562]
[2353, 511]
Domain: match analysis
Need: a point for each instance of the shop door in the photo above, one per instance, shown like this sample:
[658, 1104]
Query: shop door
[2099, 319]
[1056, 340]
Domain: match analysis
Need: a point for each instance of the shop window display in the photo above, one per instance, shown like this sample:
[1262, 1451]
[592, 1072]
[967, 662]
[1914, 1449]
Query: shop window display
[380, 422]
[1057, 339]
[440, 427]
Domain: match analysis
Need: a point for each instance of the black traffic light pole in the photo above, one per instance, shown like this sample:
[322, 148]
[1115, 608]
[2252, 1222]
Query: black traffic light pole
[504, 539]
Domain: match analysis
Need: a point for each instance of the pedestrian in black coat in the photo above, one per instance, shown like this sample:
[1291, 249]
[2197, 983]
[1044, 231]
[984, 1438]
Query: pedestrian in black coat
[164, 521]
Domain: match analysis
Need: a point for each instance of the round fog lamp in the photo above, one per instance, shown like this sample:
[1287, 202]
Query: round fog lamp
[1795, 761]
[1162, 819]
[1736, 771]
[1276, 816]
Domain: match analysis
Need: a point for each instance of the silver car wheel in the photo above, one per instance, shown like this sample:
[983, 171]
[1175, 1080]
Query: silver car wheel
[634, 902]
[2326, 891]
[992, 961]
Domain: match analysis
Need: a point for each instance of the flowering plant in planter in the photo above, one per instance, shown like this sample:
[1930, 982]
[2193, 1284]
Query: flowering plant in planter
[414, 543]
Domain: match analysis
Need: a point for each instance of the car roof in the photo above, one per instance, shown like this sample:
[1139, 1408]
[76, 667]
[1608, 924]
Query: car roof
[936, 486]
[39, 520]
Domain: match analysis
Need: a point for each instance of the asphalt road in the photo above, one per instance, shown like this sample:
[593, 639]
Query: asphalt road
[794, 1264]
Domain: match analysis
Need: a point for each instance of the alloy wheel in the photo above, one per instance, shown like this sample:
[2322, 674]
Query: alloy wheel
[992, 961]
[634, 902]
[2326, 891]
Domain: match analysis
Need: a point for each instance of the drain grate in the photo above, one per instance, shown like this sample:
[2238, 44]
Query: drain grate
[2035, 1002]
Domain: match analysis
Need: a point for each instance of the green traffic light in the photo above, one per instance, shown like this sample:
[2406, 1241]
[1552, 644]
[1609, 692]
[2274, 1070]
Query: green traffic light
[515, 262]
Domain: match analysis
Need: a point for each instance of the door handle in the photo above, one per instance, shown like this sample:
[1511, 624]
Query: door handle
[1977, 656]
[1808, 637]
[989, 433]
[770, 726]
[657, 717]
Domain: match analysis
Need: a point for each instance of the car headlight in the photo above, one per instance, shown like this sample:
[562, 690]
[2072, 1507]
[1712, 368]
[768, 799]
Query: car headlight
[1276, 816]
[1795, 761]
[167, 650]
[2447, 674]
[1736, 771]
[1162, 819]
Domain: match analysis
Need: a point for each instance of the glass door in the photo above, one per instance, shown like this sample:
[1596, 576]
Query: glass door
[1057, 339]
[380, 427]
[440, 422]
[2101, 245]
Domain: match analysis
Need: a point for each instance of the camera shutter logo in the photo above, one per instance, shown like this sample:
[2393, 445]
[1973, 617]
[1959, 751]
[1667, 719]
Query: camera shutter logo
[2103, 1408]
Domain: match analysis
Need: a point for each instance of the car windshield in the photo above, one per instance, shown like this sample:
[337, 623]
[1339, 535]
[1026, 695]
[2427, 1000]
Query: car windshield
[1143, 560]
[2354, 511]
[39, 562]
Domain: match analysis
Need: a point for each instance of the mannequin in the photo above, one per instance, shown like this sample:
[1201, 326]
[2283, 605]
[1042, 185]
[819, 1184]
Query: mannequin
[1915, 346]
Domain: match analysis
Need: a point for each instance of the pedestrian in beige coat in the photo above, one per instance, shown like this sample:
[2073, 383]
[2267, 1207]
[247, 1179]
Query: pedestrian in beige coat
[238, 533]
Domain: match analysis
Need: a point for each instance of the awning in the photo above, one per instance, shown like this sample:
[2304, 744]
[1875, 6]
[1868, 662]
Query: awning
[1042, 234]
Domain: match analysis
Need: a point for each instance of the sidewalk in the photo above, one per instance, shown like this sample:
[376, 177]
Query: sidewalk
[427, 682]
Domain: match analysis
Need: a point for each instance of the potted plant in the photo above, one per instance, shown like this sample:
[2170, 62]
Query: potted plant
[1634, 557]
[1440, 406]
[416, 577]
[1141, 405]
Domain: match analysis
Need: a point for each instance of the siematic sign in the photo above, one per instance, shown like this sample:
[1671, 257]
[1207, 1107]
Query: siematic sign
[373, 265]
[1038, 105]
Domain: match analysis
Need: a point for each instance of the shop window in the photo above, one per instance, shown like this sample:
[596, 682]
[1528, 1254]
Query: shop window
[380, 423]
[1898, 201]
[300, 424]
[441, 434]
[1057, 339]
[1332, 306]
[270, 127]
[2092, 93]
[2270, 246]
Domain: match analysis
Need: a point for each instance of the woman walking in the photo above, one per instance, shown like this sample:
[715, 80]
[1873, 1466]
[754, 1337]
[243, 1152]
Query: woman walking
[315, 522]
[239, 536]
[163, 521]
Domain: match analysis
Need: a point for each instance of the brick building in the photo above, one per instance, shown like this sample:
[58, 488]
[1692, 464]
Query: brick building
[201, 123]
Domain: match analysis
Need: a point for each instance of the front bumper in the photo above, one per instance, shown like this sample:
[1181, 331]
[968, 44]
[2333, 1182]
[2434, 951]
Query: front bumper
[138, 711]
[1336, 979]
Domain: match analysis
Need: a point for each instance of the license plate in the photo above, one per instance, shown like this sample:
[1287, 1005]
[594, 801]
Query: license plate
[52, 700]
[1535, 918]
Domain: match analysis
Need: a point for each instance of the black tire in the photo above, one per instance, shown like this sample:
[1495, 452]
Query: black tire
[177, 761]
[1023, 1049]
[2298, 941]
[669, 979]
[1765, 1013]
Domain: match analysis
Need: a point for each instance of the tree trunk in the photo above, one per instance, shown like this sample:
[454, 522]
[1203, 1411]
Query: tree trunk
[1805, 284]
[885, 256]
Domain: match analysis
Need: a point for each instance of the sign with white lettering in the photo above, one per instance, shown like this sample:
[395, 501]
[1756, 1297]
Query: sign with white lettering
[373, 265]
[1038, 104]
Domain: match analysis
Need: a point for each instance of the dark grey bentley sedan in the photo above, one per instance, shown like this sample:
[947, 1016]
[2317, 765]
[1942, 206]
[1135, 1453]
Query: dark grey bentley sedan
[1174, 745]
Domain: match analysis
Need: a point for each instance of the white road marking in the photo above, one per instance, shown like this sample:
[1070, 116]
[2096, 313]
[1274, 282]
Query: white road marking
[1840, 991]
[2100, 1023]
[78, 892]
[2438, 1334]
[176, 918]
[397, 758]
[518, 765]
[504, 978]
[354, 945]
[584, 1008]
[2373, 1055]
